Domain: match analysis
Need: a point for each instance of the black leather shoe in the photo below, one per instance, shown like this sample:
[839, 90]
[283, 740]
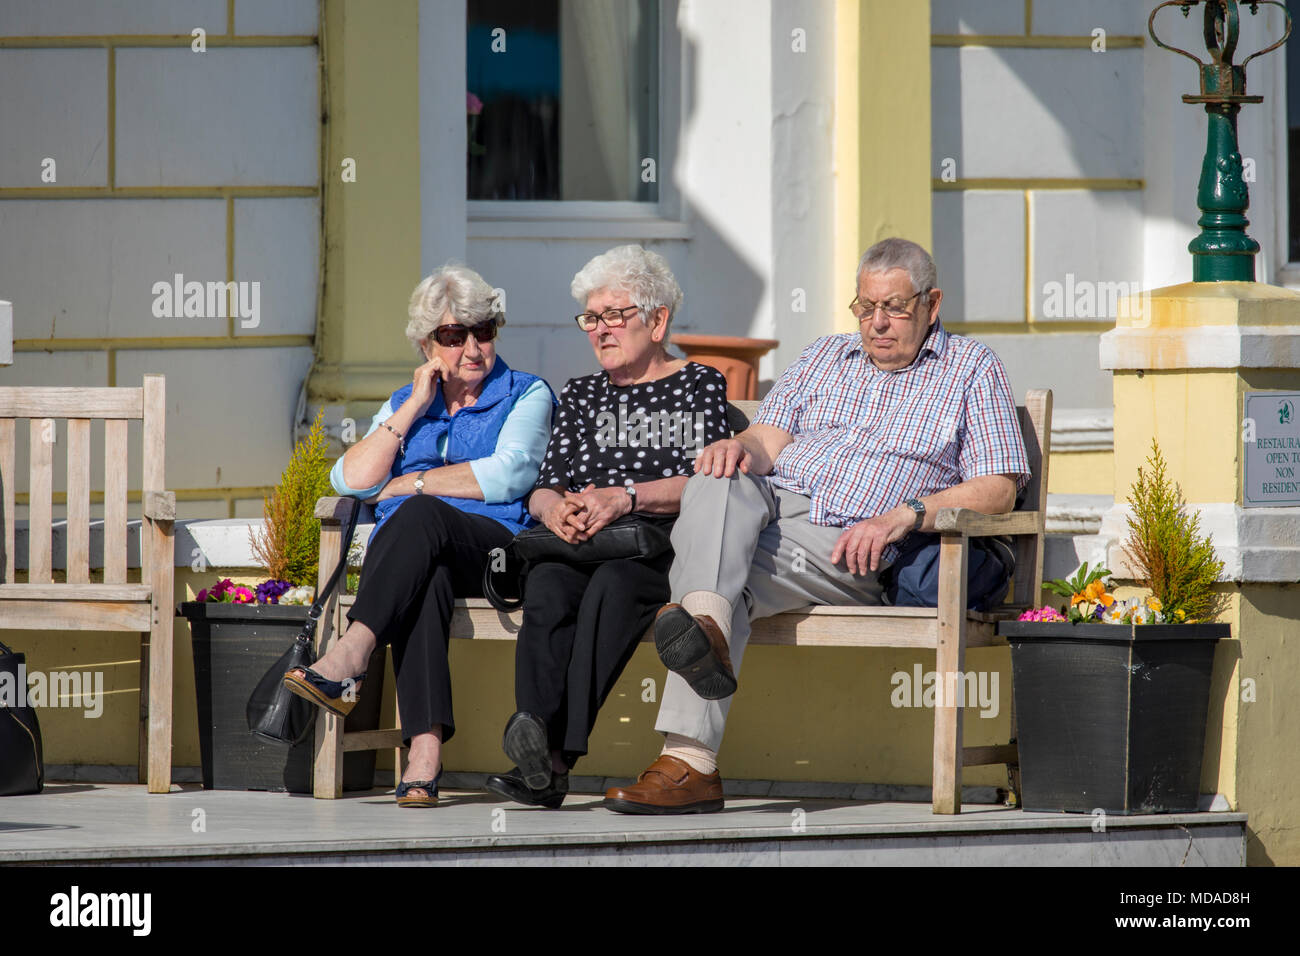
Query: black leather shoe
[525, 743]
[511, 786]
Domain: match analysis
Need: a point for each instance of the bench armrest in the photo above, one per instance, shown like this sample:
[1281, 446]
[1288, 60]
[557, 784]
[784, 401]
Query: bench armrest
[338, 509]
[160, 505]
[977, 524]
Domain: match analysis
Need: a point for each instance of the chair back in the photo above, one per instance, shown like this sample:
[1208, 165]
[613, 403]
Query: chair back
[43, 408]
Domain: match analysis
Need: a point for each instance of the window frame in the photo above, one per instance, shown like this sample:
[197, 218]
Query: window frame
[595, 219]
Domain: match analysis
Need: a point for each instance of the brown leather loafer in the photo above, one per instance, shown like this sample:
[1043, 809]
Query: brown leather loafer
[695, 648]
[668, 785]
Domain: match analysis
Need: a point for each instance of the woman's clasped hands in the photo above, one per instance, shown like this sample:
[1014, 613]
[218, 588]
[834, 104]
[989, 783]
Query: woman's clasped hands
[579, 515]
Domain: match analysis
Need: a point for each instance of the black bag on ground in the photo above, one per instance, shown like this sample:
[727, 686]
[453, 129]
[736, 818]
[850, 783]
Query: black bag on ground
[913, 579]
[273, 710]
[631, 536]
[22, 759]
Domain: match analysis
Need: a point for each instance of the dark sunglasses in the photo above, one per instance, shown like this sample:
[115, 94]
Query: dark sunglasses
[454, 336]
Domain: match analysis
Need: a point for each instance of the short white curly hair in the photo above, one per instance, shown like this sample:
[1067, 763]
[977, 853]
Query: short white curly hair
[640, 273]
[455, 289]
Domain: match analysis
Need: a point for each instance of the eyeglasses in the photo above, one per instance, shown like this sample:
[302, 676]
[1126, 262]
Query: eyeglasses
[454, 336]
[613, 318]
[864, 309]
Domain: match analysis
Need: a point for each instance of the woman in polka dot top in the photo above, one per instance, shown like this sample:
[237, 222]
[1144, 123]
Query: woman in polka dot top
[624, 441]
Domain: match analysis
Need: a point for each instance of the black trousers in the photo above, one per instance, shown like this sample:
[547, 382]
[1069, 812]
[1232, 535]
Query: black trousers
[581, 626]
[425, 556]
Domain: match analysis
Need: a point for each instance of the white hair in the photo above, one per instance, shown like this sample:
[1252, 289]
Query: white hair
[454, 289]
[903, 254]
[643, 275]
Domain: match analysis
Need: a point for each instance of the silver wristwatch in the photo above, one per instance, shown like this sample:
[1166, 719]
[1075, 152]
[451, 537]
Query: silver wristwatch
[631, 493]
[916, 505]
[419, 482]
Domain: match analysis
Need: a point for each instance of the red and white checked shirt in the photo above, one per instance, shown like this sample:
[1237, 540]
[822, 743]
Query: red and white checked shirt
[866, 439]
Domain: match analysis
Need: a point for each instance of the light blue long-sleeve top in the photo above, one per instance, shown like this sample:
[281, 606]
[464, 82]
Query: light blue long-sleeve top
[507, 474]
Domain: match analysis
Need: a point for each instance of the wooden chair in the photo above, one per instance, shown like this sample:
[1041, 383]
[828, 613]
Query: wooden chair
[947, 629]
[77, 603]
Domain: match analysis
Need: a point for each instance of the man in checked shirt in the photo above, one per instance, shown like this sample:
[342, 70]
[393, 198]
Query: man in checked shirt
[858, 444]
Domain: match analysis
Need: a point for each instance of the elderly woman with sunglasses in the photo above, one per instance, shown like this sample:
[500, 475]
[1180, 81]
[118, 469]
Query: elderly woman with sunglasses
[447, 462]
[624, 442]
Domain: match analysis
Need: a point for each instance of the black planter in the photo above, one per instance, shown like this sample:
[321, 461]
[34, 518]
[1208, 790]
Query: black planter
[1111, 717]
[234, 645]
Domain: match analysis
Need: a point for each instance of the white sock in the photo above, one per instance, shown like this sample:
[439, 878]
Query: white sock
[714, 605]
[691, 752]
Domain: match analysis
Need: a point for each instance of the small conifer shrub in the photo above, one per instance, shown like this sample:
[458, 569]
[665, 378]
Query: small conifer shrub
[1169, 554]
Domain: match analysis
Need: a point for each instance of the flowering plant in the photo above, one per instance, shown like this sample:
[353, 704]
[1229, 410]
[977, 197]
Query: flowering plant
[268, 592]
[1045, 615]
[1089, 599]
[227, 592]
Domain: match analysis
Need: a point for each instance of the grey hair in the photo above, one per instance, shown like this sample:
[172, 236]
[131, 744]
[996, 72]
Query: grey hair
[454, 289]
[904, 254]
[642, 274]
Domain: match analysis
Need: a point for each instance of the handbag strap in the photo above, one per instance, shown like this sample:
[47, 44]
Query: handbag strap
[502, 604]
[308, 633]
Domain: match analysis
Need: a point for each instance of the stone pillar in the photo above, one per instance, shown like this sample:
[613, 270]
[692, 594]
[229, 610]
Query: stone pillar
[1184, 360]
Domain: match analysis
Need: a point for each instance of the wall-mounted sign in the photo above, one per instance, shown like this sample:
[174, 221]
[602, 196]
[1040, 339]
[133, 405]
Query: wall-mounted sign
[1272, 460]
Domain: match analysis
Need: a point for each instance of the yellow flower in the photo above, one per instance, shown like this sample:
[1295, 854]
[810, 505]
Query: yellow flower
[1180, 614]
[1094, 591]
[1106, 599]
[1154, 603]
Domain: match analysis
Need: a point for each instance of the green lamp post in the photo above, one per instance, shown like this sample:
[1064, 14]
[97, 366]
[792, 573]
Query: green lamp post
[1222, 252]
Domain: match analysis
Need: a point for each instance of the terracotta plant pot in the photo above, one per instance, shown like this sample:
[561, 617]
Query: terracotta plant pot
[736, 358]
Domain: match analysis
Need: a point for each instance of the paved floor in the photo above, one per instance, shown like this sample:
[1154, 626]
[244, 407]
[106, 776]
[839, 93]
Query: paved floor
[107, 823]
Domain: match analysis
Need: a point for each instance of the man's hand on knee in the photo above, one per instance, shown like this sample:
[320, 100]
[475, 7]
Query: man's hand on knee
[861, 544]
[722, 458]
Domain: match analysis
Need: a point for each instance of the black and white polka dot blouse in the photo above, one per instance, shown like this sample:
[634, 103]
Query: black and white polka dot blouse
[607, 435]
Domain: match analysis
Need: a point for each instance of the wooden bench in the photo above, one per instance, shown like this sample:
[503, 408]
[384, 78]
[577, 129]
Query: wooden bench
[947, 629]
[77, 603]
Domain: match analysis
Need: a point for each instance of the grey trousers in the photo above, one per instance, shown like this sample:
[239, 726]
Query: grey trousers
[750, 542]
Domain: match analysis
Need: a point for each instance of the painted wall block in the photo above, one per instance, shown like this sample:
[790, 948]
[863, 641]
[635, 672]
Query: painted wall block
[1038, 113]
[100, 17]
[240, 117]
[115, 250]
[277, 244]
[54, 108]
[979, 249]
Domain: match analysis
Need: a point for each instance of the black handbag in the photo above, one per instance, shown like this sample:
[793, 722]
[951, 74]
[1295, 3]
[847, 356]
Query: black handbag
[631, 536]
[273, 711]
[22, 759]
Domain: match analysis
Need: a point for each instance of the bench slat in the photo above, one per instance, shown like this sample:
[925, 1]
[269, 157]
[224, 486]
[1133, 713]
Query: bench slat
[115, 515]
[7, 493]
[65, 616]
[78, 528]
[75, 592]
[71, 402]
[40, 513]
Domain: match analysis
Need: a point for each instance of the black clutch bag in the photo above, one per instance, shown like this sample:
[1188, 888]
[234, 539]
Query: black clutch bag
[631, 536]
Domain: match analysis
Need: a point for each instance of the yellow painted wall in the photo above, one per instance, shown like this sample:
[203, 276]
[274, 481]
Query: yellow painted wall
[372, 225]
[1268, 728]
[1195, 417]
[880, 192]
[1081, 473]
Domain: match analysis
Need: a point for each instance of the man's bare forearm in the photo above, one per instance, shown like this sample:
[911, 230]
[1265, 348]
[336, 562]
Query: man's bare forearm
[989, 494]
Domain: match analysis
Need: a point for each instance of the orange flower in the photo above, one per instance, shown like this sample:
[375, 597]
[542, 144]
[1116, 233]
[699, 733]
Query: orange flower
[1107, 600]
[1076, 598]
[1094, 591]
